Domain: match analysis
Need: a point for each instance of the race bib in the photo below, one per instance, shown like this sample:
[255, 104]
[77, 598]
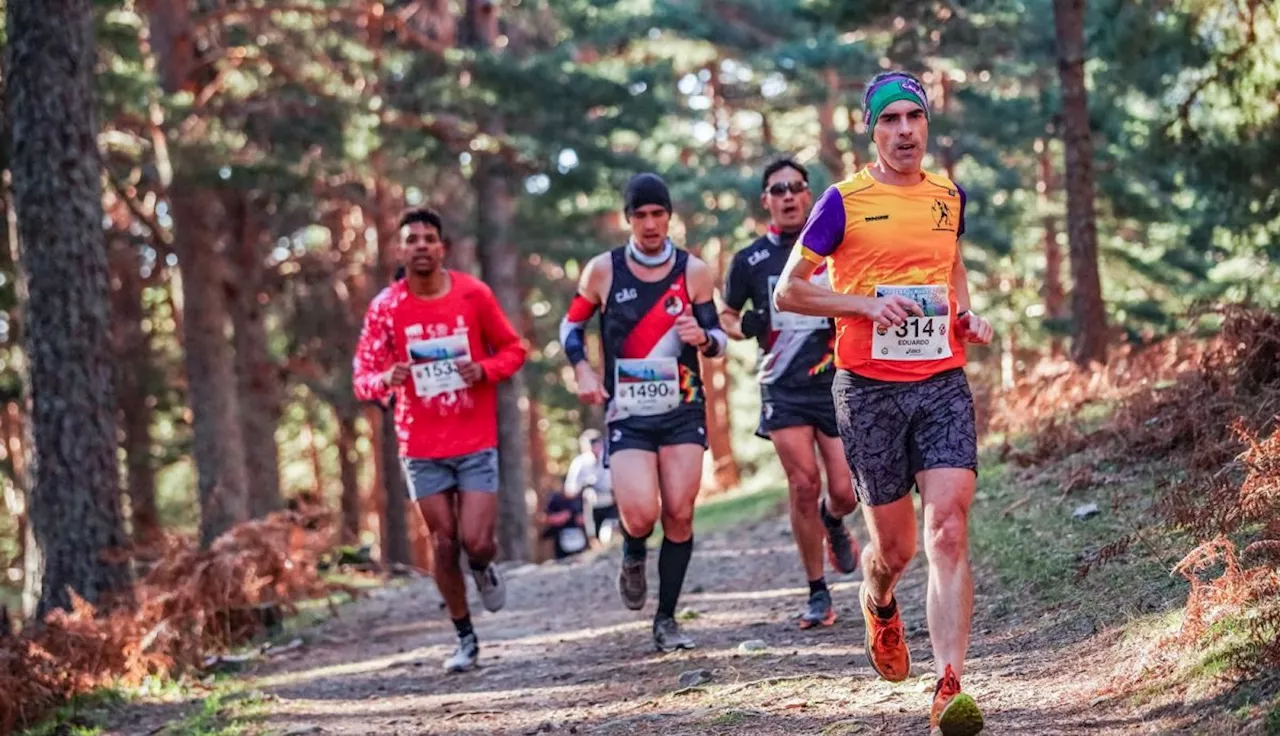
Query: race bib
[573, 539]
[919, 338]
[435, 364]
[648, 386]
[792, 322]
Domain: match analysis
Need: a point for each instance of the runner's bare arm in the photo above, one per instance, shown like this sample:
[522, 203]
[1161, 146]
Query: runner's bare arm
[702, 291]
[594, 283]
[960, 280]
[977, 329]
[508, 347]
[731, 321]
[733, 299]
[795, 293]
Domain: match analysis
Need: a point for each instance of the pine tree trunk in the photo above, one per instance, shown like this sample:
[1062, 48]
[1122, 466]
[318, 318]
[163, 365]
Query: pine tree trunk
[134, 378]
[348, 458]
[1088, 312]
[75, 495]
[1054, 296]
[211, 375]
[500, 263]
[828, 143]
[390, 483]
[257, 378]
[715, 379]
[212, 386]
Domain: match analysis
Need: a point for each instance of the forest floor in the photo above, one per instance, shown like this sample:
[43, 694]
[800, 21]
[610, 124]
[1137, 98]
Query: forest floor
[564, 656]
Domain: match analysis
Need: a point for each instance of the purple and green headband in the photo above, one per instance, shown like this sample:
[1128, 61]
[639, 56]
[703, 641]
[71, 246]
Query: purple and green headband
[888, 90]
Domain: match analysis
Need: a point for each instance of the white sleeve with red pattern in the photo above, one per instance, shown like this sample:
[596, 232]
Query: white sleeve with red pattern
[374, 352]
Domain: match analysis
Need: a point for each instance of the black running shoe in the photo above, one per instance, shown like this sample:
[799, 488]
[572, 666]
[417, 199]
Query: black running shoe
[667, 636]
[842, 548]
[632, 584]
[819, 612]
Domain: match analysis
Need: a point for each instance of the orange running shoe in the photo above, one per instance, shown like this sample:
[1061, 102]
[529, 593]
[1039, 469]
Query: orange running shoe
[886, 643]
[954, 712]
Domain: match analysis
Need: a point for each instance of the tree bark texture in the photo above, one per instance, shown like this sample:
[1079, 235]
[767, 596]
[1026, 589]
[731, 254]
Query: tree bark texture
[348, 458]
[75, 495]
[500, 264]
[213, 389]
[715, 380]
[828, 144]
[1054, 296]
[398, 510]
[135, 378]
[1088, 312]
[257, 377]
[207, 347]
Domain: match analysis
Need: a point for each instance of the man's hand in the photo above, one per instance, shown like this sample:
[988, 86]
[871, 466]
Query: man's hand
[688, 330]
[470, 371]
[975, 329]
[891, 311]
[590, 390]
[398, 374]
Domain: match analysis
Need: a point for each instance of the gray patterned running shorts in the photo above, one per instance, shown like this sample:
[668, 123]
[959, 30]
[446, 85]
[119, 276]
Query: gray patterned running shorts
[893, 430]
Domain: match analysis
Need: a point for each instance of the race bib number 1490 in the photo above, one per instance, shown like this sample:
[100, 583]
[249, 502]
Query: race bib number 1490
[918, 338]
[435, 364]
[645, 387]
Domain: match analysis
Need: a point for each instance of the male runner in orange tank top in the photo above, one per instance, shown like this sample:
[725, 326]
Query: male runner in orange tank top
[890, 237]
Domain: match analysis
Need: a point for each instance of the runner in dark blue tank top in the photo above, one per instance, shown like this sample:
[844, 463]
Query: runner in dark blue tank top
[657, 314]
[796, 371]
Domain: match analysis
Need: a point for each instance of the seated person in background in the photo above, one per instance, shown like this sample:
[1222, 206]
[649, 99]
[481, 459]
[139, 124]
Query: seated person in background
[589, 478]
[562, 522]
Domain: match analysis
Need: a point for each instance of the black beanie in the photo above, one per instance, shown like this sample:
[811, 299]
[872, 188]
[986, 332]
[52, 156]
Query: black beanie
[646, 189]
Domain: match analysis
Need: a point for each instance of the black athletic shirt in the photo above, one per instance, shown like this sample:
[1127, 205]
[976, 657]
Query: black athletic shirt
[789, 358]
[637, 321]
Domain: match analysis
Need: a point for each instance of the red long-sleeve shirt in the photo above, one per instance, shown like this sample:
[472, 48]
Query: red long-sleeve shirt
[438, 416]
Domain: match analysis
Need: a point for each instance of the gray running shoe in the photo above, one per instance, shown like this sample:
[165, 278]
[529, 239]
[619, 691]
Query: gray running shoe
[464, 657]
[819, 612]
[632, 584]
[668, 637]
[842, 548]
[491, 586]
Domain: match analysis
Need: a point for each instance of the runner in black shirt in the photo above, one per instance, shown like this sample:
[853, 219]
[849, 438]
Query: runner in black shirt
[796, 369]
[656, 315]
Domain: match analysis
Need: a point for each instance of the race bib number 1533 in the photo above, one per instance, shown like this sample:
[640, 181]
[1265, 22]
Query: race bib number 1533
[435, 364]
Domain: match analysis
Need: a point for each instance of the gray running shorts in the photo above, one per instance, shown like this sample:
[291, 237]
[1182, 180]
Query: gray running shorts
[892, 430]
[477, 471]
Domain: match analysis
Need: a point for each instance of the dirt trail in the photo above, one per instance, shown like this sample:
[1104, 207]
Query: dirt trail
[565, 657]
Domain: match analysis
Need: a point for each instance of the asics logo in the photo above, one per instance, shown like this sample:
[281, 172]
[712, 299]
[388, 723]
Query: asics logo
[625, 295]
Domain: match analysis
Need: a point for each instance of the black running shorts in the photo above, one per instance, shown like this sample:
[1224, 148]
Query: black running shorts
[686, 425]
[809, 406]
[893, 430]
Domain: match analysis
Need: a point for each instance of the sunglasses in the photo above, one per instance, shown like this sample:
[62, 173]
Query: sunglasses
[782, 187]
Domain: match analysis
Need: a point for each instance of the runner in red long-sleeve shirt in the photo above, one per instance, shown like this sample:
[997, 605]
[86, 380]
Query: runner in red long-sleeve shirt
[439, 342]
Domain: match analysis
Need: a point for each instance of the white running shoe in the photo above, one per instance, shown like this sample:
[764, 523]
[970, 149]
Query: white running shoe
[464, 657]
[492, 588]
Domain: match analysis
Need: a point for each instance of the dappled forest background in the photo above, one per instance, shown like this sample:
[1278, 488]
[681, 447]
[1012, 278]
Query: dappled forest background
[257, 155]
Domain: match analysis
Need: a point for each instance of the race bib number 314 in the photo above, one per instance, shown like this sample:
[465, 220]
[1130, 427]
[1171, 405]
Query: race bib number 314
[645, 387]
[918, 338]
[435, 364]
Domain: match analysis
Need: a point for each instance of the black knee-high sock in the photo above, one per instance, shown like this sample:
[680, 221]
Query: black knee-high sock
[633, 547]
[673, 561]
